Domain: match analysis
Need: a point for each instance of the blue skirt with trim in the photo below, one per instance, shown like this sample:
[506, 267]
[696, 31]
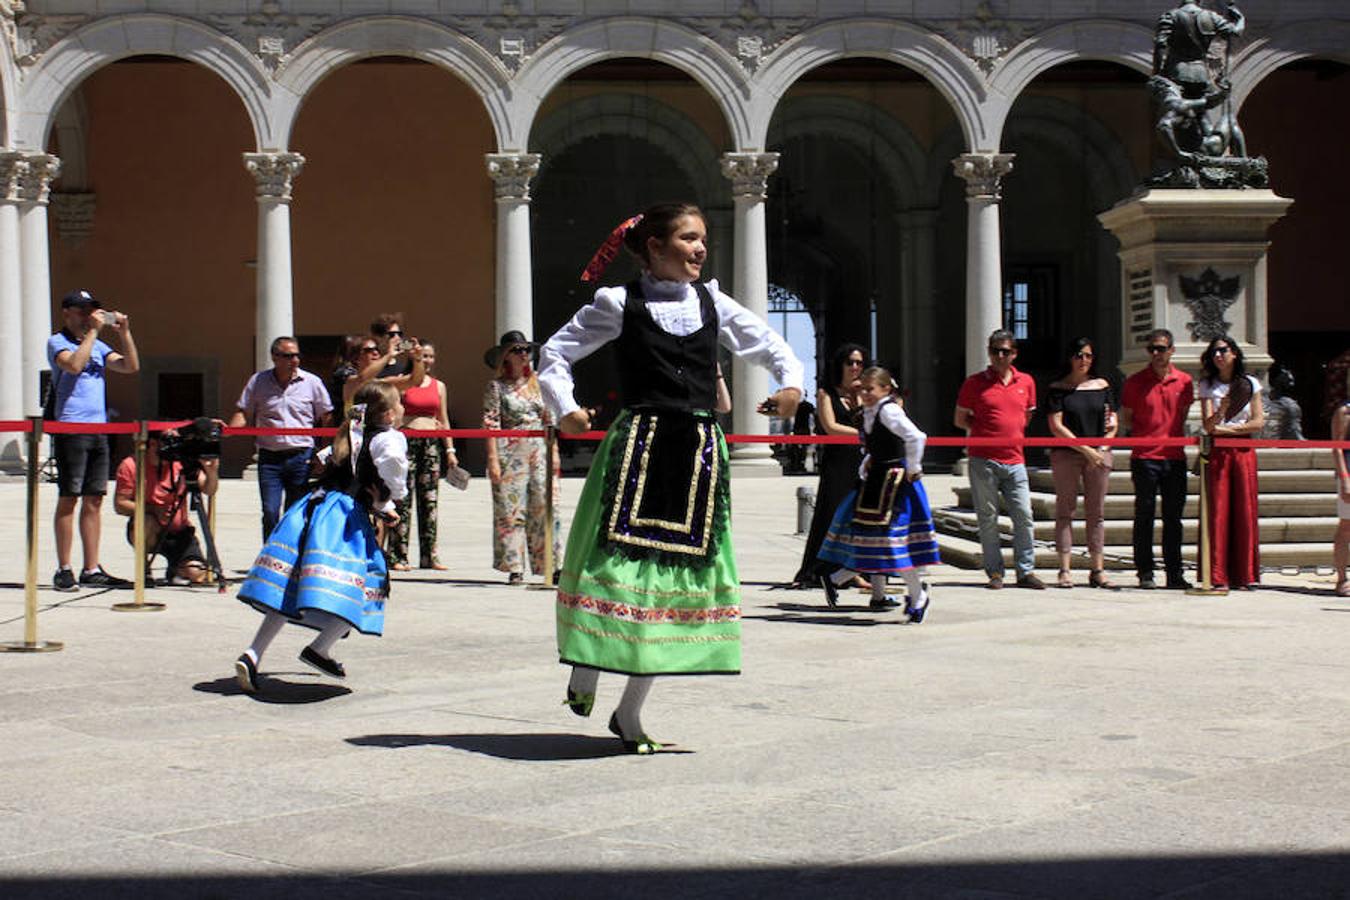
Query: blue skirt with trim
[908, 542]
[322, 556]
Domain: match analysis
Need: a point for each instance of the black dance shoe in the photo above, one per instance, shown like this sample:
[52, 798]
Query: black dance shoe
[831, 591]
[311, 657]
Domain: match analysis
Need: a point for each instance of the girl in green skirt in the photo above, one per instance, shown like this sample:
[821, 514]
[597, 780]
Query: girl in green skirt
[649, 584]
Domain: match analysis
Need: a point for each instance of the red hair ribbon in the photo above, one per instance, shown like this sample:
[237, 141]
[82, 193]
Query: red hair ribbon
[608, 250]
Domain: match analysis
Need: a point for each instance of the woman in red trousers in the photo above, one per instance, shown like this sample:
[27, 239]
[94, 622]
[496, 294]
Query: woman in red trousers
[1231, 409]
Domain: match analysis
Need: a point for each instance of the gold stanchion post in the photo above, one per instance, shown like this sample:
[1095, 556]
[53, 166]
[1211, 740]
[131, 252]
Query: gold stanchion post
[550, 447]
[138, 533]
[1206, 549]
[30, 642]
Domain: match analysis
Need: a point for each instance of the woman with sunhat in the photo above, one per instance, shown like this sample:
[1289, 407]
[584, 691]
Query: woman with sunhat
[649, 584]
[515, 465]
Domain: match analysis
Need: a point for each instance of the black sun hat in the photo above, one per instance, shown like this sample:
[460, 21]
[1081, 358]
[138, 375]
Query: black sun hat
[492, 357]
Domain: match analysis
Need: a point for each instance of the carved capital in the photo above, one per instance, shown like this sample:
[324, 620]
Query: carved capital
[274, 173]
[983, 173]
[749, 173]
[13, 172]
[73, 216]
[42, 171]
[511, 174]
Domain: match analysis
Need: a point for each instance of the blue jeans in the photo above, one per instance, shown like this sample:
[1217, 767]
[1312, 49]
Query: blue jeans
[989, 481]
[283, 477]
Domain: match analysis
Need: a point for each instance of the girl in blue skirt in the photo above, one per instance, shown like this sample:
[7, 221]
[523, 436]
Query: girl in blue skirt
[885, 526]
[322, 566]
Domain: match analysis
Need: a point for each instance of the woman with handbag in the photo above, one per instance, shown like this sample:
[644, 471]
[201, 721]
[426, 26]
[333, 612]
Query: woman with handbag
[1230, 408]
[424, 409]
[885, 527]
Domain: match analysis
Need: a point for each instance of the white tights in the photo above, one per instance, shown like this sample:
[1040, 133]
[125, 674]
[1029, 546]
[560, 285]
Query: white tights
[629, 712]
[331, 629]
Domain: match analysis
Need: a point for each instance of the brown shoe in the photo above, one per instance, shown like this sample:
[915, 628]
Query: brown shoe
[995, 583]
[1030, 582]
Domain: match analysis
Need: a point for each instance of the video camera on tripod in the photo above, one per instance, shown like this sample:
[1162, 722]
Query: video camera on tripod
[189, 445]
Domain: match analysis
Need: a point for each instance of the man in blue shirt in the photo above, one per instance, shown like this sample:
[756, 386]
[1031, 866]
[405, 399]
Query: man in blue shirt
[79, 362]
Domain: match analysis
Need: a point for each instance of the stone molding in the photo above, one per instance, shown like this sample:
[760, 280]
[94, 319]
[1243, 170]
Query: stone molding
[983, 174]
[43, 168]
[749, 173]
[73, 215]
[511, 174]
[274, 173]
[270, 32]
[30, 34]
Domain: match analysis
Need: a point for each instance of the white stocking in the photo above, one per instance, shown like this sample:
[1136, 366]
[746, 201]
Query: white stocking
[267, 632]
[629, 713]
[917, 598]
[332, 629]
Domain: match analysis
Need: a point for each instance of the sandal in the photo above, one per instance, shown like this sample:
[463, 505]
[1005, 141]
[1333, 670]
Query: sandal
[1097, 579]
[400, 567]
[1065, 580]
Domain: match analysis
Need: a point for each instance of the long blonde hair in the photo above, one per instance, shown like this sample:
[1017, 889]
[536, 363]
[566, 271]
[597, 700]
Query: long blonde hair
[377, 398]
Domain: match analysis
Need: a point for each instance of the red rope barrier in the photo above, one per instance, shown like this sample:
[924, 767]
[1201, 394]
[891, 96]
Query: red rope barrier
[24, 426]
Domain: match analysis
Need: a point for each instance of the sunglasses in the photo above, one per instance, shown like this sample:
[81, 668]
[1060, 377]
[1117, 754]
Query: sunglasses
[393, 334]
[1222, 351]
[1158, 348]
[370, 349]
[286, 355]
[1082, 356]
[1002, 351]
[521, 350]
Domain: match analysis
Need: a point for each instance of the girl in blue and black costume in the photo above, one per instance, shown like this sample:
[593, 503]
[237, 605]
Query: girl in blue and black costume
[322, 566]
[885, 527]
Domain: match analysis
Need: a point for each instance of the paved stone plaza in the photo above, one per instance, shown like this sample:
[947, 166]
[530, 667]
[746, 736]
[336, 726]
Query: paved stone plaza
[1017, 744]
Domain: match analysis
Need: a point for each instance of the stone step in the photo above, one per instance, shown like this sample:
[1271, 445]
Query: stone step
[1271, 459]
[1311, 529]
[1121, 506]
[965, 554]
[1276, 481]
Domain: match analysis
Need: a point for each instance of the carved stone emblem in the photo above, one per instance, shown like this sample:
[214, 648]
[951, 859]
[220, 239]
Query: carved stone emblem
[73, 216]
[271, 32]
[512, 36]
[748, 33]
[984, 36]
[1208, 298]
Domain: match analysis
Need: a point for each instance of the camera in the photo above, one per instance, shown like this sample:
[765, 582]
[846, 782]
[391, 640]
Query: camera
[195, 441]
[406, 345]
[113, 318]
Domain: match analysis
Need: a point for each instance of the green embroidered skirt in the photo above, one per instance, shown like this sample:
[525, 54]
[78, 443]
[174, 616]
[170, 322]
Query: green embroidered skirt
[649, 584]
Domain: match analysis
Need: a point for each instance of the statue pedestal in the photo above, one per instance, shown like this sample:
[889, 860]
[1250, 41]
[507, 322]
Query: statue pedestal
[1194, 262]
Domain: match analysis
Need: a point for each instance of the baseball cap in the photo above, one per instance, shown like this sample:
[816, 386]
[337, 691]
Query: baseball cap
[80, 298]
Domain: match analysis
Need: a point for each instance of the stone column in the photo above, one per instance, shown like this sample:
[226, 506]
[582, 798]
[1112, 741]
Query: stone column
[273, 172]
[13, 173]
[749, 174]
[921, 349]
[36, 277]
[983, 174]
[511, 174]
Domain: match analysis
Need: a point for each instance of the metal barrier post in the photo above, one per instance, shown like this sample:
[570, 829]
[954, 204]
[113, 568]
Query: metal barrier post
[1206, 549]
[30, 642]
[550, 445]
[138, 532]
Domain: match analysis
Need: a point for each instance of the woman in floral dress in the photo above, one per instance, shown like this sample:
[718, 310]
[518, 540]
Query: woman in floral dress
[516, 465]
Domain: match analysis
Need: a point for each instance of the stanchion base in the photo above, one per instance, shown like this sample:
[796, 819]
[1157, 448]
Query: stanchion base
[35, 647]
[543, 586]
[138, 607]
[1207, 592]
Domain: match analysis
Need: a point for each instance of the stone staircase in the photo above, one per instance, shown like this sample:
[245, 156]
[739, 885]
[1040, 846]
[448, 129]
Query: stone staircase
[1298, 515]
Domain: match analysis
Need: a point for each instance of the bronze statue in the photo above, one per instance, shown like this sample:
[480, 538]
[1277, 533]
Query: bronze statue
[1197, 122]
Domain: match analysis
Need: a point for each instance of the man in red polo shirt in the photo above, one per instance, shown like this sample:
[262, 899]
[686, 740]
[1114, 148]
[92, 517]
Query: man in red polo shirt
[1154, 403]
[998, 403]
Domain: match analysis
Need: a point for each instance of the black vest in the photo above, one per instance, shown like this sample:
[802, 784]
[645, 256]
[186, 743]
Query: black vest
[882, 444]
[341, 478]
[661, 370]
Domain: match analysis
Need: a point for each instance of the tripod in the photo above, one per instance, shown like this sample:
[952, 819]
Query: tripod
[184, 486]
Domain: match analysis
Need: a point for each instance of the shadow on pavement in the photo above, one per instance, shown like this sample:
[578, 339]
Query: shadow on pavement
[532, 746]
[274, 690]
[1236, 877]
[804, 614]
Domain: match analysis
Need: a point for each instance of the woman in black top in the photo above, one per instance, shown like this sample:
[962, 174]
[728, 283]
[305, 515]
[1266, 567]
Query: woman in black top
[837, 412]
[1081, 404]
